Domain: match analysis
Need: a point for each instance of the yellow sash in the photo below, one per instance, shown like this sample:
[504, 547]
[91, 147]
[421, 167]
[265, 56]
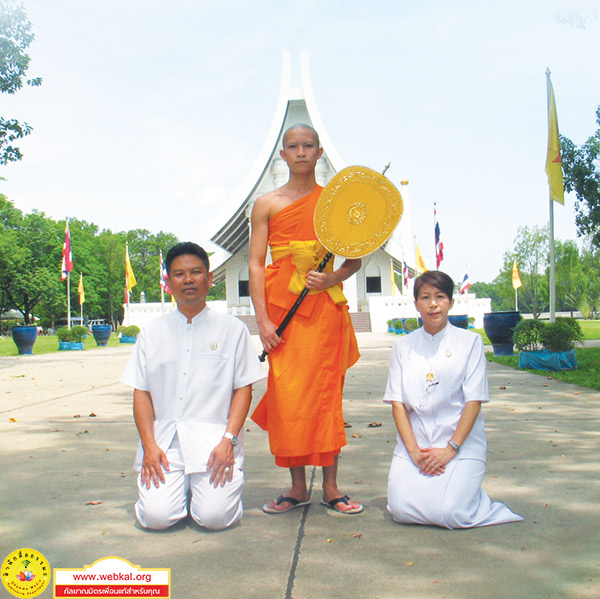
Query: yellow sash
[306, 255]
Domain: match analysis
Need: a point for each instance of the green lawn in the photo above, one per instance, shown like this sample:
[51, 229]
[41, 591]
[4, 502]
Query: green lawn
[47, 344]
[586, 375]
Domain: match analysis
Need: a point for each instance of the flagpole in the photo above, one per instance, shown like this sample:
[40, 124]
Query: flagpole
[516, 300]
[162, 289]
[80, 303]
[69, 300]
[552, 272]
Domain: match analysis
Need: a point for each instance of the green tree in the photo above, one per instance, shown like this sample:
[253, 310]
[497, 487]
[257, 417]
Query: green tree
[570, 276]
[582, 175]
[15, 38]
[27, 247]
[531, 247]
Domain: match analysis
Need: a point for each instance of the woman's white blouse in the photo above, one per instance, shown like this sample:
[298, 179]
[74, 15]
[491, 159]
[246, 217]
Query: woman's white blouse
[457, 360]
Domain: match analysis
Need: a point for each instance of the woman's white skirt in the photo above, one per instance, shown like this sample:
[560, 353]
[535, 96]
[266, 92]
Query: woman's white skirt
[454, 499]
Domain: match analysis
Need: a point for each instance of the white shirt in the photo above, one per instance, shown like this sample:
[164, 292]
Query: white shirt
[456, 359]
[191, 371]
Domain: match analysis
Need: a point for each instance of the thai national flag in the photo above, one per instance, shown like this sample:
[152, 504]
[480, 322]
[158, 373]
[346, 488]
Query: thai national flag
[439, 246]
[164, 283]
[67, 256]
[405, 274]
[465, 284]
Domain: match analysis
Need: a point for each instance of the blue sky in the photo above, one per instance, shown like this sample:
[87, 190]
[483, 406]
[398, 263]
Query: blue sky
[152, 113]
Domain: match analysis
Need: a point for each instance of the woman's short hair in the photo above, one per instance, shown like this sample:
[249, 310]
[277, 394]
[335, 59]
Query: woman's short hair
[436, 278]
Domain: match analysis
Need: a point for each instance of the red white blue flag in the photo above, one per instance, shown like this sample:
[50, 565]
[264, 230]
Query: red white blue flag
[464, 287]
[67, 256]
[164, 282]
[439, 246]
[405, 274]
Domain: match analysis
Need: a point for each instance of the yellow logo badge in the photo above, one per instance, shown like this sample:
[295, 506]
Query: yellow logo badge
[25, 573]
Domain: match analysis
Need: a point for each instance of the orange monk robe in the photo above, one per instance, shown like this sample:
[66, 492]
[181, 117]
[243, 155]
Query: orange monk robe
[302, 408]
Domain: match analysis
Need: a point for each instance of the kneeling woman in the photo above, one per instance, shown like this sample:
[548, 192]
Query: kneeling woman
[436, 385]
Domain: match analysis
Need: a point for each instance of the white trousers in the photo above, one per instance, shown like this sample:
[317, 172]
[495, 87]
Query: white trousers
[215, 508]
[454, 499]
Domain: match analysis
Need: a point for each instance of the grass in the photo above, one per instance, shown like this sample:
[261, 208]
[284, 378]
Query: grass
[48, 344]
[586, 375]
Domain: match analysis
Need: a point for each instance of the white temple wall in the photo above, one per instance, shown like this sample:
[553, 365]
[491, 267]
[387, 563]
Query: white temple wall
[140, 314]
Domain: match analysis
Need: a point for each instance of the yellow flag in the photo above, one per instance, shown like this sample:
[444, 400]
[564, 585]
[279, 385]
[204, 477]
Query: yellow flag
[420, 262]
[554, 160]
[130, 281]
[516, 279]
[80, 290]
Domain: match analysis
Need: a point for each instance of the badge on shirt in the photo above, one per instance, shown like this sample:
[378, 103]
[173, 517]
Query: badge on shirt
[213, 345]
[448, 353]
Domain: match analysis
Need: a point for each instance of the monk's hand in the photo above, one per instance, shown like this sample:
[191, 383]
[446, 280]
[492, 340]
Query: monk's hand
[433, 461]
[268, 335]
[320, 280]
[153, 463]
[220, 463]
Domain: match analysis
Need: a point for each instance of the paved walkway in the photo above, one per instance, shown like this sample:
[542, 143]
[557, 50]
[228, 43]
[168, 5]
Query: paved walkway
[67, 438]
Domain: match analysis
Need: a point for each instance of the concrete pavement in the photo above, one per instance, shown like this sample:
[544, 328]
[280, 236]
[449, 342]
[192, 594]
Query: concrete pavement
[67, 438]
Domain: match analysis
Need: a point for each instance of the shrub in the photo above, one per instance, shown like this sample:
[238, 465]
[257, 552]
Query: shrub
[527, 335]
[561, 335]
[130, 331]
[64, 334]
[398, 324]
[411, 324]
[75, 334]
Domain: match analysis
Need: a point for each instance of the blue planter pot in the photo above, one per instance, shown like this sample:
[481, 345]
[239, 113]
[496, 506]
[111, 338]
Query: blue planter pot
[127, 339]
[70, 346]
[548, 360]
[460, 320]
[24, 338]
[102, 333]
[499, 327]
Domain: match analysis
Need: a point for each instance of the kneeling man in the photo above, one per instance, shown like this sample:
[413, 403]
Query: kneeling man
[192, 372]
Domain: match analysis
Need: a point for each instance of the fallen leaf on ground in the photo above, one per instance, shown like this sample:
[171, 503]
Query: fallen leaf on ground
[357, 535]
[13, 420]
[356, 435]
[502, 387]
[92, 415]
[436, 581]
[347, 425]
[18, 376]
[409, 563]
[93, 502]
[374, 424]
[77, 416]
[329, 541]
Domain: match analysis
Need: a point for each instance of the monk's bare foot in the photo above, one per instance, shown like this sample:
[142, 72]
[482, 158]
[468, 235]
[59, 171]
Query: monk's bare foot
[287, 502]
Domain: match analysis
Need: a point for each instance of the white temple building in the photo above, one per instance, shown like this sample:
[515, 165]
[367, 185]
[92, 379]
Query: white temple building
[373, 297]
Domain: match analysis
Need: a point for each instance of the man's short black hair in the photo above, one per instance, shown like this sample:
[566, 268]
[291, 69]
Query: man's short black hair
[436, 278]
[186, 248]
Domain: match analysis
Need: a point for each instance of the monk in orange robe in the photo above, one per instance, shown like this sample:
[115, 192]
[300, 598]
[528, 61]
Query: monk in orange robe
[302, 408]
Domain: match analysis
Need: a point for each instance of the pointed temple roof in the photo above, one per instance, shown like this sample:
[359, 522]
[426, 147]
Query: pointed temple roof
[295, 105]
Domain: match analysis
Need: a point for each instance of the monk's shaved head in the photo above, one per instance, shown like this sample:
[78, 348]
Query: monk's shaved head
[301, 126]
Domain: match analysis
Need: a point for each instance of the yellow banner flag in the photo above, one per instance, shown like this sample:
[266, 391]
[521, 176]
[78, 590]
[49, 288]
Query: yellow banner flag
[130, 281]
[419, 258]
[553, 159]
[80, 290]
[516, 279]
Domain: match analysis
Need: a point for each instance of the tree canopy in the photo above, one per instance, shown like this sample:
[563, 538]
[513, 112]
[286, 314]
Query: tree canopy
[582, 175]
[15, 38]
[30, 258]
